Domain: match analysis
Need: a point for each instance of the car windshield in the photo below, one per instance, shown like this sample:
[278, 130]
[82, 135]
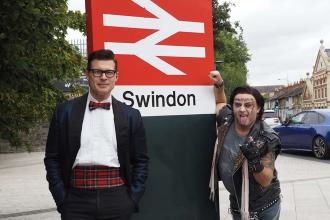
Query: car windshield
[270, 115]
[326, 112]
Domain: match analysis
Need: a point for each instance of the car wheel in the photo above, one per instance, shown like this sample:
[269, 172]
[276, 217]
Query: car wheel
[320, 148]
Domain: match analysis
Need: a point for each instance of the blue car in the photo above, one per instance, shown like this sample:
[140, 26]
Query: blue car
[307, 131]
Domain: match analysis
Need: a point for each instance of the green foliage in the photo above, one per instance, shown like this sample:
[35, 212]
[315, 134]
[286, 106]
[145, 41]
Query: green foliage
[229, 47]
[77, 20]
[28, 147]
[33, 53]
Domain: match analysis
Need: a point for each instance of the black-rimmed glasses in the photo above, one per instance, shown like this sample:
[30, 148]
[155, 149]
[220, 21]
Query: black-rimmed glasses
[99, 73]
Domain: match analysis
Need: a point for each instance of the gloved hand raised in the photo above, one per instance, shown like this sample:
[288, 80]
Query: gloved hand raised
[253, 155]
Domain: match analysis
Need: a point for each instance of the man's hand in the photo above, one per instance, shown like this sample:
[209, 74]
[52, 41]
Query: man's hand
[216, 78]
[252, 154]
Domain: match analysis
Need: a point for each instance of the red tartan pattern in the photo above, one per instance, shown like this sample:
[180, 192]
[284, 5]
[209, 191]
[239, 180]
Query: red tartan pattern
[94, 105]
[96, 177]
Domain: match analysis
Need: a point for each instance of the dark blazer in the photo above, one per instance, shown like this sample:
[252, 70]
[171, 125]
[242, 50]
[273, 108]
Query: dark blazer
[63, 143]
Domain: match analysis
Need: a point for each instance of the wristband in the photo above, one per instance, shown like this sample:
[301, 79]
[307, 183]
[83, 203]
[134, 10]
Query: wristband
[219, 84]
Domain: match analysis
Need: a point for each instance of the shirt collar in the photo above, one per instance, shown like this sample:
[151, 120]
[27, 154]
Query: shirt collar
[91, 98]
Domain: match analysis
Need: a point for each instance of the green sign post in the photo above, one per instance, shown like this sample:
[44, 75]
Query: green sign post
[180, 149]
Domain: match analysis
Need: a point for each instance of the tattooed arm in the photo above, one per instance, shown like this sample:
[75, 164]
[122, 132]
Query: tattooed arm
[265, 177]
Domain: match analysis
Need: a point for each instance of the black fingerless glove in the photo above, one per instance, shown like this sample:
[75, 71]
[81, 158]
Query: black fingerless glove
[253, 156]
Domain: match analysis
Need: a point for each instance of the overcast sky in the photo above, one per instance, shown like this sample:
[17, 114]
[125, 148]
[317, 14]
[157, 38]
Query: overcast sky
[283, 37]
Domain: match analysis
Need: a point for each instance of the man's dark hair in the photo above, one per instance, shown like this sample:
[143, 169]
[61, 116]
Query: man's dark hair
[101, 55]
[252, 91]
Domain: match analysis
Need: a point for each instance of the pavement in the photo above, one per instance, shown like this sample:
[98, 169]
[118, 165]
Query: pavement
[305, 184]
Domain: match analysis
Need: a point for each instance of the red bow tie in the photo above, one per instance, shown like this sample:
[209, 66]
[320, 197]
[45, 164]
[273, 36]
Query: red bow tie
[94, 105]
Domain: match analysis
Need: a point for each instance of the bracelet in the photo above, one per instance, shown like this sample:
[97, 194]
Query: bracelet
[219, 84]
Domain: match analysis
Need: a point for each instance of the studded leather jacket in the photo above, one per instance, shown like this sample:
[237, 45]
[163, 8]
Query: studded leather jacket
[259, 197]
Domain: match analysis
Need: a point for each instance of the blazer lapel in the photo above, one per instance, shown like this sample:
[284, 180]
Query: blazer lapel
[122, 130]
[75, 125]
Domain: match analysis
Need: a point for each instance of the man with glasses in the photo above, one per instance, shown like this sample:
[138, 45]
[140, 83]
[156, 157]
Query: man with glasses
[96, 154]
[245, 153]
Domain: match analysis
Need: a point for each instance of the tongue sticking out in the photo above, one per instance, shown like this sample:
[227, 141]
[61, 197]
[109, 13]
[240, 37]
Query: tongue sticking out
[243, 120]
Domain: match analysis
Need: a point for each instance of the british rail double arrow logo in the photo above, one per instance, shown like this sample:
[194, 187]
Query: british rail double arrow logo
[147, 48]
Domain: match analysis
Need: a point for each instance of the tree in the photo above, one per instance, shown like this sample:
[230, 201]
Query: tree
[33, 53]
[77, 20]
[229, 47]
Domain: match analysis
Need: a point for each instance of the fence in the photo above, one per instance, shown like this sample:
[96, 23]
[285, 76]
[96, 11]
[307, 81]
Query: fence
[81, 44]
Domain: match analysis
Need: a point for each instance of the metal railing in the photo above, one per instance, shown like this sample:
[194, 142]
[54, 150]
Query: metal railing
[81, 44]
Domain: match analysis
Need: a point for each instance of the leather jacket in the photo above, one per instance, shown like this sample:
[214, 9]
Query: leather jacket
[259, 197]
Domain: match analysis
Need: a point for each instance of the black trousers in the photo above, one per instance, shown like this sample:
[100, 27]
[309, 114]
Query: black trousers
[107, 204]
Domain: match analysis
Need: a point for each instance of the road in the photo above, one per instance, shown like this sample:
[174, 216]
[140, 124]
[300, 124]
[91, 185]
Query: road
[305, 183]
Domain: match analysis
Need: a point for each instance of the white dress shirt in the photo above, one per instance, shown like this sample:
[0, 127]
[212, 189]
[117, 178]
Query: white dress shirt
[98, 143]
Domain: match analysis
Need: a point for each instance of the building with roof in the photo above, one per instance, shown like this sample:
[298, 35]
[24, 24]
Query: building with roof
[268, 91]
[288, 100]
[312, 92]
[308, 101]
[321, 80]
